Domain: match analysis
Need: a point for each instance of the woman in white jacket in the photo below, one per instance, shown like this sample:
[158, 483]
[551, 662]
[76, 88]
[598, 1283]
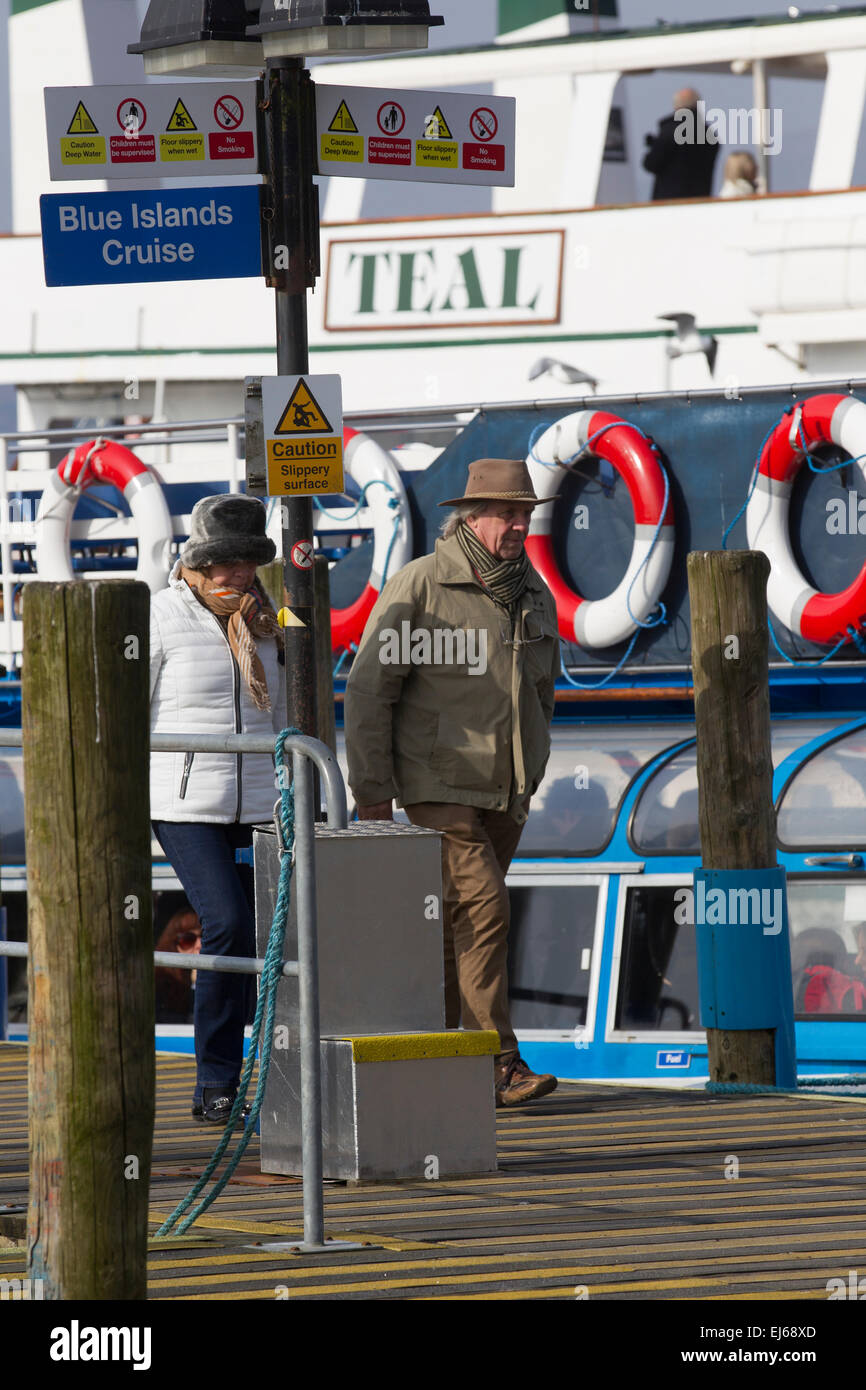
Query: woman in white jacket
[216, 658]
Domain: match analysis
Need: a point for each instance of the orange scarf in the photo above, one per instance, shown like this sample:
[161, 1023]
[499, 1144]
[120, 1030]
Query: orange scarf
[249, 615]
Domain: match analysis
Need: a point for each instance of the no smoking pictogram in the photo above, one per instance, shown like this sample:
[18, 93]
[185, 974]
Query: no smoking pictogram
[302, 555]
[229, 112]
[483, 123]
[131, 117]
[391, 117]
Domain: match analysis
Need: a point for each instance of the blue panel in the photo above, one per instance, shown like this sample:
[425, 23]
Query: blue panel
[169, 234]
[744, 966]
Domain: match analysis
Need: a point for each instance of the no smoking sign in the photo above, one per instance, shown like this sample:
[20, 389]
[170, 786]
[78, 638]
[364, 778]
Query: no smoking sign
[303, 555]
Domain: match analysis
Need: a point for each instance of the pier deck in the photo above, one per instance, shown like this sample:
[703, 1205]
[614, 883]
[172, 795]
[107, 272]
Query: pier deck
[604, 1192]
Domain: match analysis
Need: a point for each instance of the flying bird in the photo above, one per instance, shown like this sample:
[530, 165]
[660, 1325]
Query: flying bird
[690, 339]
[561, 371]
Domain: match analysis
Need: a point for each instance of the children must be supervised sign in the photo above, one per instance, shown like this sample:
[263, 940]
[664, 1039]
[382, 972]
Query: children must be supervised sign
[303, 426]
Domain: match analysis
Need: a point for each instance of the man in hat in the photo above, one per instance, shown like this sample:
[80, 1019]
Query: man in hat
[448, 709]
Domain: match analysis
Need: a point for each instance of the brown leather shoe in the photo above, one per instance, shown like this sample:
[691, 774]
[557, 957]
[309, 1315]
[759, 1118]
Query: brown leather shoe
[515, 1083]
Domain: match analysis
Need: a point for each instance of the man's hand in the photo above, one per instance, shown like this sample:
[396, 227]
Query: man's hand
[381, 811]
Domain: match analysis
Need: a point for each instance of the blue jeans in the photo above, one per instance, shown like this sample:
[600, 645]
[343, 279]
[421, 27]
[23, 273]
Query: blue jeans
[221, 892]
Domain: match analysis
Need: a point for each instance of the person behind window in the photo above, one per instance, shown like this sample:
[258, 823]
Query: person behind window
[741, 176]
[680, 155]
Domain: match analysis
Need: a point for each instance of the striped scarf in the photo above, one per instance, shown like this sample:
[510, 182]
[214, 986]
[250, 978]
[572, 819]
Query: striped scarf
[505, 579]
[249, 615]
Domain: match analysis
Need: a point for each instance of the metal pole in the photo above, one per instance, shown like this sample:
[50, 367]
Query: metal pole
[759, 99]
[308, 979]
[293, 249]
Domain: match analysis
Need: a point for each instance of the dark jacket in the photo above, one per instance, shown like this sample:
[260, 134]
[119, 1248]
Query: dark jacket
[682, 170]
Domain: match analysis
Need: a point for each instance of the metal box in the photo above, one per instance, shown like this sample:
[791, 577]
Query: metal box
[416, 1106]
[379, 907]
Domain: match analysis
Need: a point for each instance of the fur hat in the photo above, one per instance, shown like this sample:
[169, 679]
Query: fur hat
[228, 527]
[497, 480]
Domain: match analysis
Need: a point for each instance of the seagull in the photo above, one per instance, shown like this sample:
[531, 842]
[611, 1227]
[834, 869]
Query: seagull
[688, 339]
[561, 371]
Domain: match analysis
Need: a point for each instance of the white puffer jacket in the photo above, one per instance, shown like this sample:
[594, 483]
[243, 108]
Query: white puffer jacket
[196, 687]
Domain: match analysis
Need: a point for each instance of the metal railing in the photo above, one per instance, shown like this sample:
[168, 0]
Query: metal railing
[304, 750]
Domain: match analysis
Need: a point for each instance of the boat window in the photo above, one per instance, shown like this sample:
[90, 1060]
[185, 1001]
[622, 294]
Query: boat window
[549, 954]
[666, 815]
[590, 767]
[827, 922]
[11, 808]
[658, 975]
[824, 805]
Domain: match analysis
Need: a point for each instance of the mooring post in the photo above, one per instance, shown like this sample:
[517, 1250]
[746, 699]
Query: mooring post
[271, 577]
[85, 698]
[743, 948]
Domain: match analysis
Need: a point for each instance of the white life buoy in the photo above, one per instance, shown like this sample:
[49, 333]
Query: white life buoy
[103, 461]
[820, 420]
[368, 463]
[603, 622]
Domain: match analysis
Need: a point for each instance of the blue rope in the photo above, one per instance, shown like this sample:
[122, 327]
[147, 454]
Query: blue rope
[661, 613]
[754, 479]
[265, 1009]
[352, 647]
[362, 501]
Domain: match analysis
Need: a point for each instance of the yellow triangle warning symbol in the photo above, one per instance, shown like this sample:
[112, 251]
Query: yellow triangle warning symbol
[436, 127]
[82, 122]
[303, 414]
[180, 119]
[343, 119]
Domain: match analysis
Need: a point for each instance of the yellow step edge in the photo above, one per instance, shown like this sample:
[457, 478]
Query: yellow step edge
[407, 1047]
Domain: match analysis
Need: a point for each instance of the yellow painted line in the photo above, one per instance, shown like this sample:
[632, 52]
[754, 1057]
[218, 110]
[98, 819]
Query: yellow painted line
[575, 1272]
[295, 1231]
[400, 1047]
[445, 1262]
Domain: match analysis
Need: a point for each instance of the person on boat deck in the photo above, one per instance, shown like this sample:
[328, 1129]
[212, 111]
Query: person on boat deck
[448, 708]
[683, 166]
[216, 653]
[741, 176]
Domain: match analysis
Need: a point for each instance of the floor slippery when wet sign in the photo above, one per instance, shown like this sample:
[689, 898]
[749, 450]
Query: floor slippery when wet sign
[303, 429]
[160, 129]
[436, 137]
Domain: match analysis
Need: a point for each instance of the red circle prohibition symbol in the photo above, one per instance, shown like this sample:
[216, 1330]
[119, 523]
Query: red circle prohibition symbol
[131, 117]
[302, 555]
[229, 112]
[391, 117]
[483, 123]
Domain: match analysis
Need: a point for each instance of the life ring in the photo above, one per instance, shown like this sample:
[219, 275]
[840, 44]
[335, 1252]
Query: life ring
[367, 462]
[814, 616]
[101, 460]
[603, 622]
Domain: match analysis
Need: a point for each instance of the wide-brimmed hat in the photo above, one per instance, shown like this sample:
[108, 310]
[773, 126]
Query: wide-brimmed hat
[496, 480]
[228, 527]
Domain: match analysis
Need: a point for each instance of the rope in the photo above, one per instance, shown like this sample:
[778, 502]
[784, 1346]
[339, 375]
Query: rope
[265, 1009]
[745, 1088]
[661, 613]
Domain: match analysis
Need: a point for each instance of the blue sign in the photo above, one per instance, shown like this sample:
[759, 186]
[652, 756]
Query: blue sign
[674, 1061]
[164, 234]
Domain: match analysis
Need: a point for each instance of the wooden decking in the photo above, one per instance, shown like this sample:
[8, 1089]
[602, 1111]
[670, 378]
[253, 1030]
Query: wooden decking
[607, 1192]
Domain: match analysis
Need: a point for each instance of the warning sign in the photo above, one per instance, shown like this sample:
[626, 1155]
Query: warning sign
[483, 123]
[303, 556]
[82, 122]
[436, 127]
[343, 119]
[303, 426]
[180, 119]
[79, 146]
[302, 415]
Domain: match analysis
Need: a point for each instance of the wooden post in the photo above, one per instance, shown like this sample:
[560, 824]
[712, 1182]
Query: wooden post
[728, 597]
[85, 719]
[271, 577]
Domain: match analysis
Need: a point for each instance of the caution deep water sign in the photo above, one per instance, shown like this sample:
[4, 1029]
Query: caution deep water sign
[303, 427]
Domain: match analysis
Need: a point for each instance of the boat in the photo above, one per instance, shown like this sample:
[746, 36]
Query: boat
[438, 321]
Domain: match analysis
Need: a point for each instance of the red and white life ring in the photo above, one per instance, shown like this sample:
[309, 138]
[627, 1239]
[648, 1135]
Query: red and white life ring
[103, 461]
[603, 622]
[812, 615]
[367, 462]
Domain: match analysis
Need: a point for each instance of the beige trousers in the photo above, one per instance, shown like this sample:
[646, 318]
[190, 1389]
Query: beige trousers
[477, 847]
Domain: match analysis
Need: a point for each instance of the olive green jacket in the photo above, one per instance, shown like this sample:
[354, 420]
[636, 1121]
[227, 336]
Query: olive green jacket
[441, 703]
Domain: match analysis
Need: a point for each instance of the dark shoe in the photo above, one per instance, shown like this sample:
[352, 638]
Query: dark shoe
[515, 1083]
[215, 1106]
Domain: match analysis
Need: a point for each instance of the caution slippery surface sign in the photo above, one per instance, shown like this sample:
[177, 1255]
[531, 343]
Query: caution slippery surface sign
[303, 427]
